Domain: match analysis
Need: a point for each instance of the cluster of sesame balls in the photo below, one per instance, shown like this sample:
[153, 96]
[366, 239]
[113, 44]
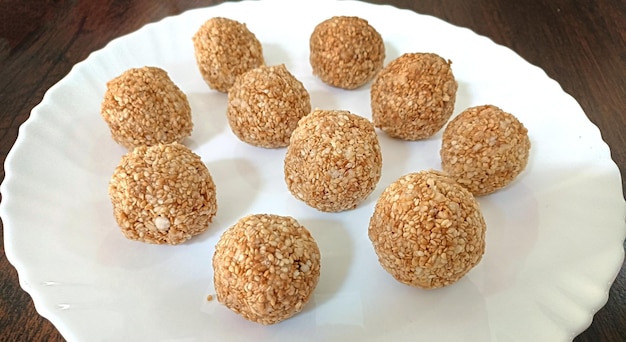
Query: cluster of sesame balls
[426, 229]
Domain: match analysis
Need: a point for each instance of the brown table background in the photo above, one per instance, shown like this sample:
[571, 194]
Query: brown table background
[581, 44]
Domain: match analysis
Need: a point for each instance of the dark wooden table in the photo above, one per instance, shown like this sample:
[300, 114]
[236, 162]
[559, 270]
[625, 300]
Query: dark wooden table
[581, 44]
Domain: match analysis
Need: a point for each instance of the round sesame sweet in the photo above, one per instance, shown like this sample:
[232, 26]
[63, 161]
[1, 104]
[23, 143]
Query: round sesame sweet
[427, 230]
[413, 97]
[265, 104]
[484, 149]
[143, 106]
[266, 268]
[346, 52]
[162, 194]
[224, 49]
[333, 161]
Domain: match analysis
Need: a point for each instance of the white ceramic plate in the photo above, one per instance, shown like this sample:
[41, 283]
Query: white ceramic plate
[554, 239]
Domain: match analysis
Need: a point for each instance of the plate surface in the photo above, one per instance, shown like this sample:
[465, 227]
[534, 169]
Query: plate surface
[554, 237]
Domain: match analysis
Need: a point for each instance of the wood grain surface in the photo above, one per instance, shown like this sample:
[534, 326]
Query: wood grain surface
[581, 44]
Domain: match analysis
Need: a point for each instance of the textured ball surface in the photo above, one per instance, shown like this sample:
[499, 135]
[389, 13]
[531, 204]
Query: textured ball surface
[485, 149]
[265, 104]
[413, 97]
[333, 161]
[346, 52]
[427, 230]
[143, 106]
[266, 268]
[162, 194]
[224, 49]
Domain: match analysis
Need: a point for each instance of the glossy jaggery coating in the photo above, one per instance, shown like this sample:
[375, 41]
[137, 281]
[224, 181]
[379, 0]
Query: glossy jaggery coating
[266, 267]
[346, 51]
[224, 49]
[162, 194]
[427, 230]
[484, 149]
[333, 161]
[413, 97]
[143, 106]
[265, 105]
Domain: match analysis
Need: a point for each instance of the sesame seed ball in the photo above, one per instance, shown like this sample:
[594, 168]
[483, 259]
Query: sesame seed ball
[484, 148]
[224, 49]
[265, 104]
[333, 161]
[427, 230]
[346, 52]
[162, 194]
[413, 97]
[266, 268]
[143, 106]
